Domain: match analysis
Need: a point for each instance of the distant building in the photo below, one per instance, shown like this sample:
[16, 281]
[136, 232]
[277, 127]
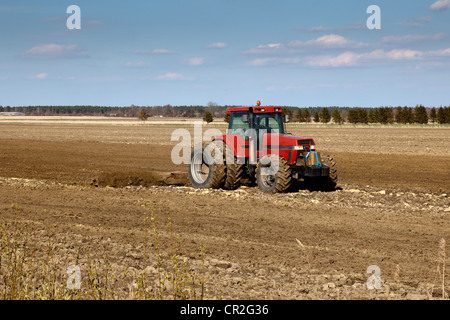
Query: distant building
[12, 114]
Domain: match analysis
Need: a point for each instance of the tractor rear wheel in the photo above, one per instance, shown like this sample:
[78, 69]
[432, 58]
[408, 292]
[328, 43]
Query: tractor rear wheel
[234, 170]
[269, 181]
[206, 174]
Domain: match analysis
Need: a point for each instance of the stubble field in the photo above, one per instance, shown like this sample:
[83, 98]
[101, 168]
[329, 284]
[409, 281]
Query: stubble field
[90, 187]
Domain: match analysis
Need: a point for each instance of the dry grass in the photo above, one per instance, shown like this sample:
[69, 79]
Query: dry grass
[29, 271]
[442, 265]
[302, 246]
[440, 273]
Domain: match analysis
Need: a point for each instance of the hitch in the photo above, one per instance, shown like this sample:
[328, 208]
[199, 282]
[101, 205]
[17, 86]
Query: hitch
[313, 161]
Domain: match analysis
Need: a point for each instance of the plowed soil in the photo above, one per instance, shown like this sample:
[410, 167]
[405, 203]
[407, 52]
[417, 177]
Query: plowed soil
[391, 209]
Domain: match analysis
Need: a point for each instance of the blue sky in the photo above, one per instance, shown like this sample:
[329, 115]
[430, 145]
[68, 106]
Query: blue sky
[231, 52]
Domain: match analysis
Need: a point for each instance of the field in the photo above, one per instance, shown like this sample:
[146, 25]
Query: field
[91, 188]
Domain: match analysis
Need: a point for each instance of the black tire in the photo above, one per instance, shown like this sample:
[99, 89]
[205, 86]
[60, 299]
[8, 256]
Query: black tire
[214, 178]
[273, 183]
[234, 170]
[248, 177]
[234, 175]
[324, 183]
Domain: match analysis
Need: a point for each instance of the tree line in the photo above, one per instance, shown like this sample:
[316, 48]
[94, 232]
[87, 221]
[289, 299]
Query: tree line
[339, 115]
[383, 115]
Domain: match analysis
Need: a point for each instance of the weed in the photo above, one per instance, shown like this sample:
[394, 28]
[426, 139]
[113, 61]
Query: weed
[29, 271]
[304, 250]
[440, 271]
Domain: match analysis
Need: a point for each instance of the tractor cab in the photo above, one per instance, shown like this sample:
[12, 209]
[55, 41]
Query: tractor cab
[259, 119]
[254, 132]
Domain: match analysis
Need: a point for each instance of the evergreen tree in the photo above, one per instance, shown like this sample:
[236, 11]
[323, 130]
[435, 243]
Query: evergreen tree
[384, 115]
[307, 115]
[433, 115]
[399, 115]
[372, 118]
[352, 116]
[362, 116]
[316, 117]
[286, 111]
[325, 115]
[299, 117]
[408, 115]
[441, 115]
[447, 114]
[337, 117]
[420, 115]
[208, 117]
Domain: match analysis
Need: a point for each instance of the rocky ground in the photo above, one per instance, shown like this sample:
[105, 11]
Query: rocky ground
[299, 245]
[388, 212]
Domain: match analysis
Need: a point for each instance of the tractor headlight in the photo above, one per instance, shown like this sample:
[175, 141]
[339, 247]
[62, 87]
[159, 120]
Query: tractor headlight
[313, 147]
[298, 147]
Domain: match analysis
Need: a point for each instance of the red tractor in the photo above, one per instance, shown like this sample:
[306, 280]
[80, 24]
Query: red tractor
[257, 148]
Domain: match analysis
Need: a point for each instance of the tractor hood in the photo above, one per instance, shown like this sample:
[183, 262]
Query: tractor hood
[287, 140]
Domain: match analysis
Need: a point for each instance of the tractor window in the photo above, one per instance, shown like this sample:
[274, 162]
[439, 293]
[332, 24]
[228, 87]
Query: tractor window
[271, 122]
[237, 126]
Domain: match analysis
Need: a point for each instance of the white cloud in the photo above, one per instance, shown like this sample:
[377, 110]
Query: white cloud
[319, 29]
[51, 51]
[140, 64]
[270, 46]
[397, 54]
[412, 38]
[329, 41]
[217, 45]
[171, 76]
[40, 76]
[440, 5]
[196, 61]
[352, 59]
[260, 62]
[264, 49]
[439, 53]
[354, 26]
[270, 61]
[155, 51]
[343, 60]
[162, 51]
